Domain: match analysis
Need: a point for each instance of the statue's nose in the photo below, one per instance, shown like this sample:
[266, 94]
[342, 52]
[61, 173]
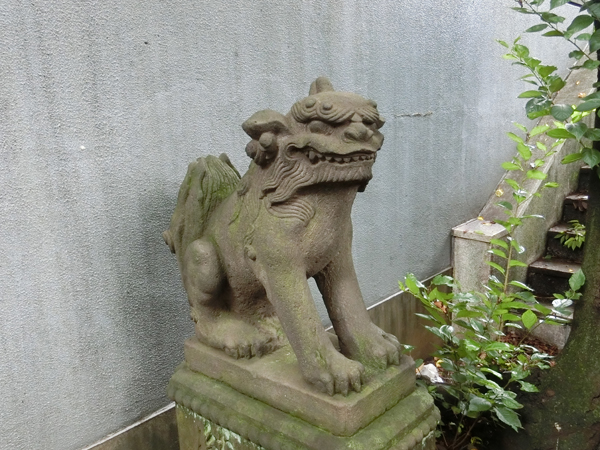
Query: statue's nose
[358, 132]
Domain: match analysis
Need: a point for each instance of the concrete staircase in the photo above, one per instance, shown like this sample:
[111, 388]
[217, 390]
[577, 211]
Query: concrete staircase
[550, 274]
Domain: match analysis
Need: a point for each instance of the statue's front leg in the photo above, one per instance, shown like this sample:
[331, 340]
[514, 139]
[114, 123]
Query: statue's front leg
[321, 364]
[360, 338]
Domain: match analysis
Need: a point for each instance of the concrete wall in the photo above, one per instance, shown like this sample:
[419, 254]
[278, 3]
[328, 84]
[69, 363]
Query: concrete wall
[104, 103]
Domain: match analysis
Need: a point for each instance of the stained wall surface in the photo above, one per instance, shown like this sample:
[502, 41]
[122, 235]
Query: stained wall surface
[104, 103]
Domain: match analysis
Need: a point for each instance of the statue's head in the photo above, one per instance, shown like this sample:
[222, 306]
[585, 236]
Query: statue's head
[327, 137]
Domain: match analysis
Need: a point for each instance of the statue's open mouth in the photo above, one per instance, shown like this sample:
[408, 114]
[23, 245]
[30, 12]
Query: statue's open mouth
[315, 157]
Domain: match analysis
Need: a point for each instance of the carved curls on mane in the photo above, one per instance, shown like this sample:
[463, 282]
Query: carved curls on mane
[309, 109]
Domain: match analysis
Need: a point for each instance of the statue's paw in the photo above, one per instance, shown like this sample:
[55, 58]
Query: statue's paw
[377, 349]
[239, 339]
[340, 375]
[385, 348]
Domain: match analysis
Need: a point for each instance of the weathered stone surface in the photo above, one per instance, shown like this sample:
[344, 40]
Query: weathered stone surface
[246, 246]
[276, 380]
[407, 425]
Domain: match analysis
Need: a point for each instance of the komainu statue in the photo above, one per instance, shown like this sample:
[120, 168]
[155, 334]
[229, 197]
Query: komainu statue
[246, 246]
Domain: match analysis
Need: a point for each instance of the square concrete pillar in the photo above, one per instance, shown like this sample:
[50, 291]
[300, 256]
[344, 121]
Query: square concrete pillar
[471, 242]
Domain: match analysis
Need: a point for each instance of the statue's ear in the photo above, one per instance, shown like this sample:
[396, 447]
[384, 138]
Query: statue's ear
[264, 127]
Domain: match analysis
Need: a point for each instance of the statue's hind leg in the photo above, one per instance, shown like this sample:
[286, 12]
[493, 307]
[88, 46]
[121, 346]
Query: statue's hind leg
[216, 325]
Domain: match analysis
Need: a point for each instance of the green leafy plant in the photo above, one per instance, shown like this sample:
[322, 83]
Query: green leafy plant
[574, 236]
[585, 41]
[483, 372]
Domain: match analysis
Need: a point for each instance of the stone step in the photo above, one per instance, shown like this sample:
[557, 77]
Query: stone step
[584, 179]
[555, 249]
[575, 207]
[549, 276]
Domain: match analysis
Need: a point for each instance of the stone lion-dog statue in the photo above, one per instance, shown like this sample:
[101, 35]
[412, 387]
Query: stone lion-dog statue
[247, 245]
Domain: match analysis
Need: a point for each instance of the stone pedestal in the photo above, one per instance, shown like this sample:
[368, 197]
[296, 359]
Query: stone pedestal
[263, 403]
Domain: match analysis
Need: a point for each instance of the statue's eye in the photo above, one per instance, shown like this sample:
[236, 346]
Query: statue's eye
[368, 121]
[316, 126]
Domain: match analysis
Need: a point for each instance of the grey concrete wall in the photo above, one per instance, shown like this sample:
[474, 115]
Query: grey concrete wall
[104, 103]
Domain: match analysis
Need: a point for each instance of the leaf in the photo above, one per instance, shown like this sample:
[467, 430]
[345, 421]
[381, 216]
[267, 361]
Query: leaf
[595, 41]
[505, 205]
[499, 243]
[583, 37]
[561, 112]
[529, 319]
[469, 314]
[541, 308]
[560, 133]
[551, 184]
[594, 9]
[557, 3]
[591, 156]
[557, 84]
[497, 346]
[445, 280]
[524, 151]
[523, 128]
[579, 23]
[502, 43]
[520, 285]
[535, 28]
[513, 184]
[514, 137]
[591, 64]
[412, 284]
[528, 387]
[577, 54]
[538, 107]
[496, 266]
[553, 33]
[552, 18]
[522, 10]
[518, 247]
[510, 166]
[561, 303]
[536, 175]
[479, 404]
[577, 129]
[511, 403]
[521, 51]
[588, 105]
[493, 372]
[498, 252]
[593, 134]
[533, 216]
[539, 129]
[572, 158]
[530, 94]
[544, 71]
[577, 280]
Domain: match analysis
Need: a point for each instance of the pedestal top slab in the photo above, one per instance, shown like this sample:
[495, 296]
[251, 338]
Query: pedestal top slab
[275, 379]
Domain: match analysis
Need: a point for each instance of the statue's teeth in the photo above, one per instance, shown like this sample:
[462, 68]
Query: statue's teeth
[347, 159]
[328, 157]
[355, 158]
[338, 159]
[312, 156]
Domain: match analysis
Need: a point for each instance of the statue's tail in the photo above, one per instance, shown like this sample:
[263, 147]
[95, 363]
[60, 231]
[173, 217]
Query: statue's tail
[207, 183]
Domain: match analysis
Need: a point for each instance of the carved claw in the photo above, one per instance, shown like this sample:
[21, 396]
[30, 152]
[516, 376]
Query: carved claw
[373, 347]
[341, 375]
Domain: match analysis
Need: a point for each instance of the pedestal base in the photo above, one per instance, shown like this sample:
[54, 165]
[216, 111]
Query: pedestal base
[198, 433]
[202, 401]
